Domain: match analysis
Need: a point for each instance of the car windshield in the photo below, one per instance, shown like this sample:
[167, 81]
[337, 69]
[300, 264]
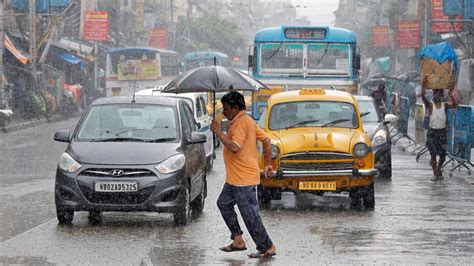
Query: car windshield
[368, 112]
[129, 122]
[313, 114]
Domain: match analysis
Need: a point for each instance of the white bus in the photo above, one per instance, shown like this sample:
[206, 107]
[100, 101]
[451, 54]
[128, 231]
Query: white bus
[129, 69]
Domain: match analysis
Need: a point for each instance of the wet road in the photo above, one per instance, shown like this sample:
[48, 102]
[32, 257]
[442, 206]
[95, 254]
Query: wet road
[414, 221]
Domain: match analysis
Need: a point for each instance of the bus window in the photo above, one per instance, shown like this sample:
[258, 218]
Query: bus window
[281, 56]
[328, 57]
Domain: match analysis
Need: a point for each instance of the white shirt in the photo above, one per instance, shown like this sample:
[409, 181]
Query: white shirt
[438, 117]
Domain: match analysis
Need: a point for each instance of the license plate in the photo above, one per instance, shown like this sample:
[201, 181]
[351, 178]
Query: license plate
[311, 185]
[116, 186]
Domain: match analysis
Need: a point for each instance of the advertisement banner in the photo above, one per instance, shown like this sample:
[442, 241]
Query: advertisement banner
[380, 37]
[408, 34]
[438, 25]
[96, 26]
[158, 38]
[138, 70]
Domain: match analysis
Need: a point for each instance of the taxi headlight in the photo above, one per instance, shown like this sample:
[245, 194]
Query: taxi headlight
[275, 151]
[171, 164]
[361, 150]
[68, 164]
[379, 138]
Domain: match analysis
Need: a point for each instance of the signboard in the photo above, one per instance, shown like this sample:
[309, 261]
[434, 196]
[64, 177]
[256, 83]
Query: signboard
[438, 26]
[146, 69]
[380, 37]
[408, 34]
[460, 130]
[140, 15]
[158, 38]
[96, 26]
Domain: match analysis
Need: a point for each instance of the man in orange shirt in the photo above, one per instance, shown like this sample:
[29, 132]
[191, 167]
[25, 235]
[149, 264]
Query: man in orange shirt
[243, 176]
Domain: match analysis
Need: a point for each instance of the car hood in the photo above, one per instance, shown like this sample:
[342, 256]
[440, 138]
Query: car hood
[307, 139]
[121, 152]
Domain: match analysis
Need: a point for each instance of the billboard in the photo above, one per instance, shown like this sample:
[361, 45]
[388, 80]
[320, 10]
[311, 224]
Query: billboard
[158, 38]
[380, 37]
[408, 33]
[441, 23]
[96, 26]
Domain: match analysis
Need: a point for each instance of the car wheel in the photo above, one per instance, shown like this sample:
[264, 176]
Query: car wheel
[210, 162]
[387, 172]
[264, 197]
[355, 197]
[198, 203]
[65, 216]
[217, 143]
[95, 217]
[183, 210]
[369, 197]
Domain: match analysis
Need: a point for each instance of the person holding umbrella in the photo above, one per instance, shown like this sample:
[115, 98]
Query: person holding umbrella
[243, 176]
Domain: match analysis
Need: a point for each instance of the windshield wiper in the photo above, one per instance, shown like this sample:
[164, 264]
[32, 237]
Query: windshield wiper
[274, 53]
[324, 54]
[118, 139]
[302, 123]
[335, 122]
[364, 114]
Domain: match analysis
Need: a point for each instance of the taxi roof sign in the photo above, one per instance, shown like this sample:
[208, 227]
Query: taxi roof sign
[312, 91]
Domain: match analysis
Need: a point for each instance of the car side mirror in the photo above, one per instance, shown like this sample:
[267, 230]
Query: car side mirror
[389, 118]
[197, 137]
[199, 125]
[62, 136]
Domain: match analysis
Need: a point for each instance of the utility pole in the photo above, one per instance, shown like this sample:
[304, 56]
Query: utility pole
[2, 97]
[32, 17]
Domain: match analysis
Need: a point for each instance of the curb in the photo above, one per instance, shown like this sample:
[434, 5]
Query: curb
[36, 122]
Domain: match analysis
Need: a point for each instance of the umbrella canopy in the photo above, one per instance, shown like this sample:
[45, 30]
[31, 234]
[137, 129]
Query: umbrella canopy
[213, 79]
[374, 82]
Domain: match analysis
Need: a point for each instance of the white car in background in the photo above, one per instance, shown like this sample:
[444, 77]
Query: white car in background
[203, 118]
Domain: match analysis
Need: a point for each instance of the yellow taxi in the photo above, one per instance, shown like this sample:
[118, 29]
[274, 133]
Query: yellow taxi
[318, 146]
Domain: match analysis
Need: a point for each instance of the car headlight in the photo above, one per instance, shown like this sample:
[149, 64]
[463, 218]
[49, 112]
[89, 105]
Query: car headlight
[379, 138]
[361, 150]
[171, 164]
[275, 151]
[68, 164]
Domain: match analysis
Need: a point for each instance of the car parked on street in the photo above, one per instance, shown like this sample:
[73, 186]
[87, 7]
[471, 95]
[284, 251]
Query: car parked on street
[318, 146]
[376, 126]
[132, 154]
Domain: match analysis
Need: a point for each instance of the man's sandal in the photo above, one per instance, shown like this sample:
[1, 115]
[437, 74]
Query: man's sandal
[232, 248]
[258, 255]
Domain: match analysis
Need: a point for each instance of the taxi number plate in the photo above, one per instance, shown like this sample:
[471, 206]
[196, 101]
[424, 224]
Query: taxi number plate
[116, 186]
[317, 186]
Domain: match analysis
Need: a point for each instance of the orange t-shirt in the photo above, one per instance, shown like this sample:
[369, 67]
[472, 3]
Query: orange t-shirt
[242, 167]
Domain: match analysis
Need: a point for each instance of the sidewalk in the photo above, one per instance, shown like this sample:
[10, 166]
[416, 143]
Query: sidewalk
[19, 124]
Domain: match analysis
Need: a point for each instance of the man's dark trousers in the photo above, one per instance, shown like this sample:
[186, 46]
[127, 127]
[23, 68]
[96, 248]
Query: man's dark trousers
[246, 199]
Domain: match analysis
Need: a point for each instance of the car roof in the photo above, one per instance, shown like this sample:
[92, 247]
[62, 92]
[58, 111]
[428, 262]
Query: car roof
[157, 92]
[295, 96]
[170, 101]
[363, 98]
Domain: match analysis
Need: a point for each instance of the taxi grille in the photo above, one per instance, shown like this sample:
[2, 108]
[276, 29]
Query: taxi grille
[317, 161]
[116, 198]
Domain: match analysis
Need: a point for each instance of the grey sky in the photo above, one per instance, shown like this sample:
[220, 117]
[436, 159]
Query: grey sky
[320, 12]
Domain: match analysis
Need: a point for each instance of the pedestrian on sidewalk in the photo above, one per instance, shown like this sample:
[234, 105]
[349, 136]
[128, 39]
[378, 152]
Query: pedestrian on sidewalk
[436, 137]
[243, 176]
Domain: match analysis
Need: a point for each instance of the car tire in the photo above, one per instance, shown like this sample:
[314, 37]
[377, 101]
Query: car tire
[264, 197]
[369, 197]
[182, 215]
[387, 172]
[198, 204]
[64, 216]
[210, 162]
[95, 217]
[217, 143]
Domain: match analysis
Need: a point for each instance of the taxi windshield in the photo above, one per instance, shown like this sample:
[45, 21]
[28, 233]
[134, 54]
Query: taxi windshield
[127, 122]
[313, 114]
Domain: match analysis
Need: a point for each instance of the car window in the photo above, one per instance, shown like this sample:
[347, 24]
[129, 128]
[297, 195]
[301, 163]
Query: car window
[189, 125]
[263, 119]
[368, 107]
[198, 108]
[129, 121]
[313, 114]
[204, 107]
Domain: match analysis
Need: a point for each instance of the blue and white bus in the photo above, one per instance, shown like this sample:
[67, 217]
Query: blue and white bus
[205, 58]
[295, 57]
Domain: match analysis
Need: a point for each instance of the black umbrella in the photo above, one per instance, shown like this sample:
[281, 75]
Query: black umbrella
[213, 79]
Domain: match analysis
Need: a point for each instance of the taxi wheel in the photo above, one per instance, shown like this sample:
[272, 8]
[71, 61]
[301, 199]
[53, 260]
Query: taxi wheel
[264, 197]
[182, 214]
[210, 162]
[369, 197]
[95, 217]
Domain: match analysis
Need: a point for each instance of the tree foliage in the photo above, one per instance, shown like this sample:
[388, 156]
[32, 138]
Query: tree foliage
[209, 33]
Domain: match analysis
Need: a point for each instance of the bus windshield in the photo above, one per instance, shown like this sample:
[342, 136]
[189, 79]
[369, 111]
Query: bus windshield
[290, 58]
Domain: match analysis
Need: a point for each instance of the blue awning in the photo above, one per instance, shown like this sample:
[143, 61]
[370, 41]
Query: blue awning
[72, 59]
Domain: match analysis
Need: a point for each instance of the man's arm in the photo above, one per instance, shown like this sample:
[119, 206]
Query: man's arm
[454, 102]
[226, 140]
[267, 154]
[423, 94]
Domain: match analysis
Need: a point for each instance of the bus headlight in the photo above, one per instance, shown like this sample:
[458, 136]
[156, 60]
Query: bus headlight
[361, 150]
